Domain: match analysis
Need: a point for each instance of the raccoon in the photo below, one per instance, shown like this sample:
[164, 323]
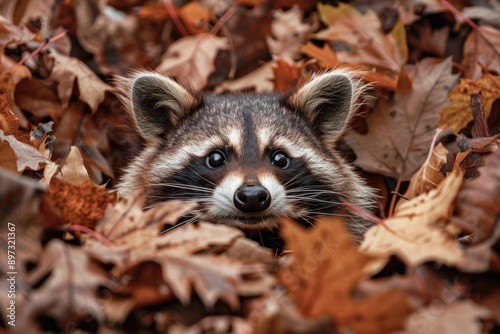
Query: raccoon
[247, 159]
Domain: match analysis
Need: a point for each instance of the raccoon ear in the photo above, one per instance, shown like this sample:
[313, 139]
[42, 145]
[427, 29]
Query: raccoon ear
[328, 102]
[158, 103]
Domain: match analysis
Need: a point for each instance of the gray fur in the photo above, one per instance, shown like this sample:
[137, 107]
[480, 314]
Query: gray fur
[306, 126]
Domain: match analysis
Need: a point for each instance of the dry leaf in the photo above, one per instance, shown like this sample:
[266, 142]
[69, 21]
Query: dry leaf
[74, 170]
[64, 281]
[27, 157]
[429, 176]
[260, 80]
[66, 70]
[413, 232]
[400, 132]
[9, 122]
[191, 59]
[82, 204]
[327, 58]
[458, 113]
[482, 50]
[326, 269]
[8, 82]
[289, 33]
[288, 74]
[459, 317]
[369, 45]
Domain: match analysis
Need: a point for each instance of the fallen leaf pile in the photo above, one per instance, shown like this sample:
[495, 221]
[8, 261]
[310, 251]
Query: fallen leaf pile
[75, 258]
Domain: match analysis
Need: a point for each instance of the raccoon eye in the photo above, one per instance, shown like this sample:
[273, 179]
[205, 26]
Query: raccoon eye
[216, 159]
[280, 159]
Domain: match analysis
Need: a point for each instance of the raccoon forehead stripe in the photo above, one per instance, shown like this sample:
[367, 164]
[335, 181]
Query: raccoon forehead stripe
[263, 138]
[235, 139]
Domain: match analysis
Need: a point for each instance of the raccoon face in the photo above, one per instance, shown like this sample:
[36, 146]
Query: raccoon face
[246, 159]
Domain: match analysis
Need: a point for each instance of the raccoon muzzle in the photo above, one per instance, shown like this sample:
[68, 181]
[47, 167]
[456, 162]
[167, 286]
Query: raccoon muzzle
[252, 198]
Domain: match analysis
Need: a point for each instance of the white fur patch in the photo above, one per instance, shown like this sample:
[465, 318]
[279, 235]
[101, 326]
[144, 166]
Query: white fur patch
[223, 205]
[279, 205]
[263, 138]
[235, 138]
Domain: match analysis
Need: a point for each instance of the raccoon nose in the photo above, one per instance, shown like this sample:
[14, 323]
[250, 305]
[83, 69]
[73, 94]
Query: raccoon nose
[252, 198]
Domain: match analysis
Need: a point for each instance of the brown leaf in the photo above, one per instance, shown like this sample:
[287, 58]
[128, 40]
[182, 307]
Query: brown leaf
[82, 204]
[191, 59]
[458, 317]
[287, 74]
[413, 232]
[289, 33]
[458, 113]
[74, 170]
[401, 132]
[325, 271]
[64, 284]
[8, 82]
[369, 45]
[196, 18]
[260, 80]
[482, 50]
[429, 176]
[66, 70]
[9, 122]
[327, 58]
[27, 157]
[478, 202]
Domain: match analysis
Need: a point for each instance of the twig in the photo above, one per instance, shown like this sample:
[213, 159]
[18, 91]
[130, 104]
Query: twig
[469, 22]
[86, 230]
[172, 12]
[400, 195]
[393, 199]
[476, 101]
[224, 18]
[44, 44]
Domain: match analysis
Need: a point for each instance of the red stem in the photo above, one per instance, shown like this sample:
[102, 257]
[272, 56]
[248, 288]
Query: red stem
[86, 230]
[44, 44]
[172, 12]
[224, 18]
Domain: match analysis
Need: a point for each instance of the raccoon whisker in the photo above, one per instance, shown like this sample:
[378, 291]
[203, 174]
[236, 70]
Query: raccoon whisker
[312, 199]
[182, 198]
[202, 177]
[183, 186]
[186, 222]
[306, 220]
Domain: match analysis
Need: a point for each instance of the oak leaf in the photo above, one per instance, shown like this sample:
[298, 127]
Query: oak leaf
[27, 157]
[458, 113]
[64, 282]
[66, 71]
[414, 234]
[289, 33]
[369, 45]
[325, 271]
[400, 131]
[191, 59]
[260, 80]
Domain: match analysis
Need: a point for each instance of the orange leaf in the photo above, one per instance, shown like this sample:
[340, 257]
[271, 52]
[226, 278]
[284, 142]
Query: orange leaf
[458, 113]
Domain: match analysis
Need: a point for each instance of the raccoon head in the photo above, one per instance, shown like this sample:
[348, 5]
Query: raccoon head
[247, 159]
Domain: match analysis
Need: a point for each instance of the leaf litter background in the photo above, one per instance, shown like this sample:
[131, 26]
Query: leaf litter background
[88, 262]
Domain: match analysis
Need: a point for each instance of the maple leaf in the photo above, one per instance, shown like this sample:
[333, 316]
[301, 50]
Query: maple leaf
[288, 74]
[370, 46]
[288, 33]
[458, 113]
[27, 157]
[400, 132]
[66, 70]
[325, 271]
[411, 233]
[191, 59]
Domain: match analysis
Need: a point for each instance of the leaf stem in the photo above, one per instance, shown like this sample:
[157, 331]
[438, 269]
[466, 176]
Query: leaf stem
[224, 18]
[172, 12]
[393, 199]
[86, 230]
[44, 44]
